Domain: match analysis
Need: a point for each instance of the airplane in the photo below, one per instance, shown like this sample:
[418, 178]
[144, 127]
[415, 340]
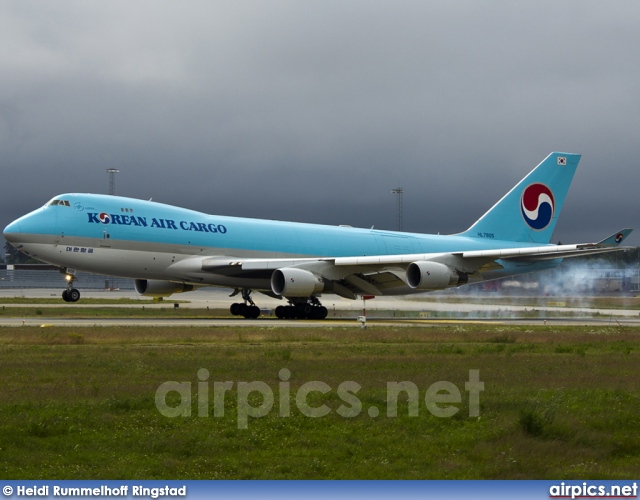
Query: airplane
[167, 249]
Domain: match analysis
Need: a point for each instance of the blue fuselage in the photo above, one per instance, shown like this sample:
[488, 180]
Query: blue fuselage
[143, 239]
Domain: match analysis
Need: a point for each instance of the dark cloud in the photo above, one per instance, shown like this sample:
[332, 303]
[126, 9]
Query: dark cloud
[314, 111]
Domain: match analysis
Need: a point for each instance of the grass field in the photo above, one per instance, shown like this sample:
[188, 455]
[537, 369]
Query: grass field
[79, 403]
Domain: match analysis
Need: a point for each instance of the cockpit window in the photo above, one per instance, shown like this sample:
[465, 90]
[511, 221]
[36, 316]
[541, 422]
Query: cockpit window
[64, 203]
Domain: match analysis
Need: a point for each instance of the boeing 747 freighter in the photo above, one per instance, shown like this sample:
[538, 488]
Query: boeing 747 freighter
[167, 249]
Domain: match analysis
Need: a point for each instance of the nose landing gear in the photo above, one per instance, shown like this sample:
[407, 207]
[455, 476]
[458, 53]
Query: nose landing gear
[70, 294]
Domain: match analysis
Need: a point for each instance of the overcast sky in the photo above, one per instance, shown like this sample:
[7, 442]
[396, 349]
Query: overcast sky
[314, 110]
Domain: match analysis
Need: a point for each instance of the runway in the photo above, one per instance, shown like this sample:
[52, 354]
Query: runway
[426, 311]
[327, 323]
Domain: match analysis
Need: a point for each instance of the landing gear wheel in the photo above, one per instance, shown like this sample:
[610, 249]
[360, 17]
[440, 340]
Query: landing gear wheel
[318, 312]
[73, 295]
[323, 312]
[251, 312]
[288, 312]
[311, 309]
[247, 308]
[242, 309]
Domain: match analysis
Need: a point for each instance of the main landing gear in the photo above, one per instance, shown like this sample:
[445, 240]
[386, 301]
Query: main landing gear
[298, 308]
[248, 308]
[309, 309]
[70, 294]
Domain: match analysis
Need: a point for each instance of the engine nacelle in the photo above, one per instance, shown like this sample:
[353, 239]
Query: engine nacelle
[426, 275]
[293, 282]
[159, 288]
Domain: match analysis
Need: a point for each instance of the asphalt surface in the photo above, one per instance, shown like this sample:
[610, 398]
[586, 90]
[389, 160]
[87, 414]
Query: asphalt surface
[380, 311]
[271, 323]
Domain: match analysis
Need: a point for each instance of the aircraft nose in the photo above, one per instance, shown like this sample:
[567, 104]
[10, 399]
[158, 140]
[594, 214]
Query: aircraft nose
[13, 232]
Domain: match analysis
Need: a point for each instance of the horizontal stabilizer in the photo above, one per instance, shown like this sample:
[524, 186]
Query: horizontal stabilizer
[616, 238]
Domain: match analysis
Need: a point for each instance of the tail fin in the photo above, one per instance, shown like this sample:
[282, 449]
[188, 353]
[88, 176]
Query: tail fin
[529, 212]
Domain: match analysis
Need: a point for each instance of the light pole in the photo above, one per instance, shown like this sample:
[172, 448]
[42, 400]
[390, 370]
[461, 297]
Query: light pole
[111, 284]
[112, 180]
[399, 192]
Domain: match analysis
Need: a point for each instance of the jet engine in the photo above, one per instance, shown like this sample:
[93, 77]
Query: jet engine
[293, 282]
[159, 288]
[426, 275]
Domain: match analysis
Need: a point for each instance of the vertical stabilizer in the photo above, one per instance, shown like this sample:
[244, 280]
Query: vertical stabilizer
[529, 212]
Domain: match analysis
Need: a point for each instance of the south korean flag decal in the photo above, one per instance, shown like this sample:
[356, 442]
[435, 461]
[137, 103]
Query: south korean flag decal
[562, 160]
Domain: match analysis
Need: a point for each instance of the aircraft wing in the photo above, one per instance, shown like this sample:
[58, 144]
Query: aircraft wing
[532, 254]
[375, 275]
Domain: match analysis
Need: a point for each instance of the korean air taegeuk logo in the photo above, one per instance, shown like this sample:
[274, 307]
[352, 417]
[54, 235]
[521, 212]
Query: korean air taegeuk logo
[537, 205]
[104, 217]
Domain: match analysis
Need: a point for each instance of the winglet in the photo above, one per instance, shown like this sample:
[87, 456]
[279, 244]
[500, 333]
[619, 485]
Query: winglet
[615, 239]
